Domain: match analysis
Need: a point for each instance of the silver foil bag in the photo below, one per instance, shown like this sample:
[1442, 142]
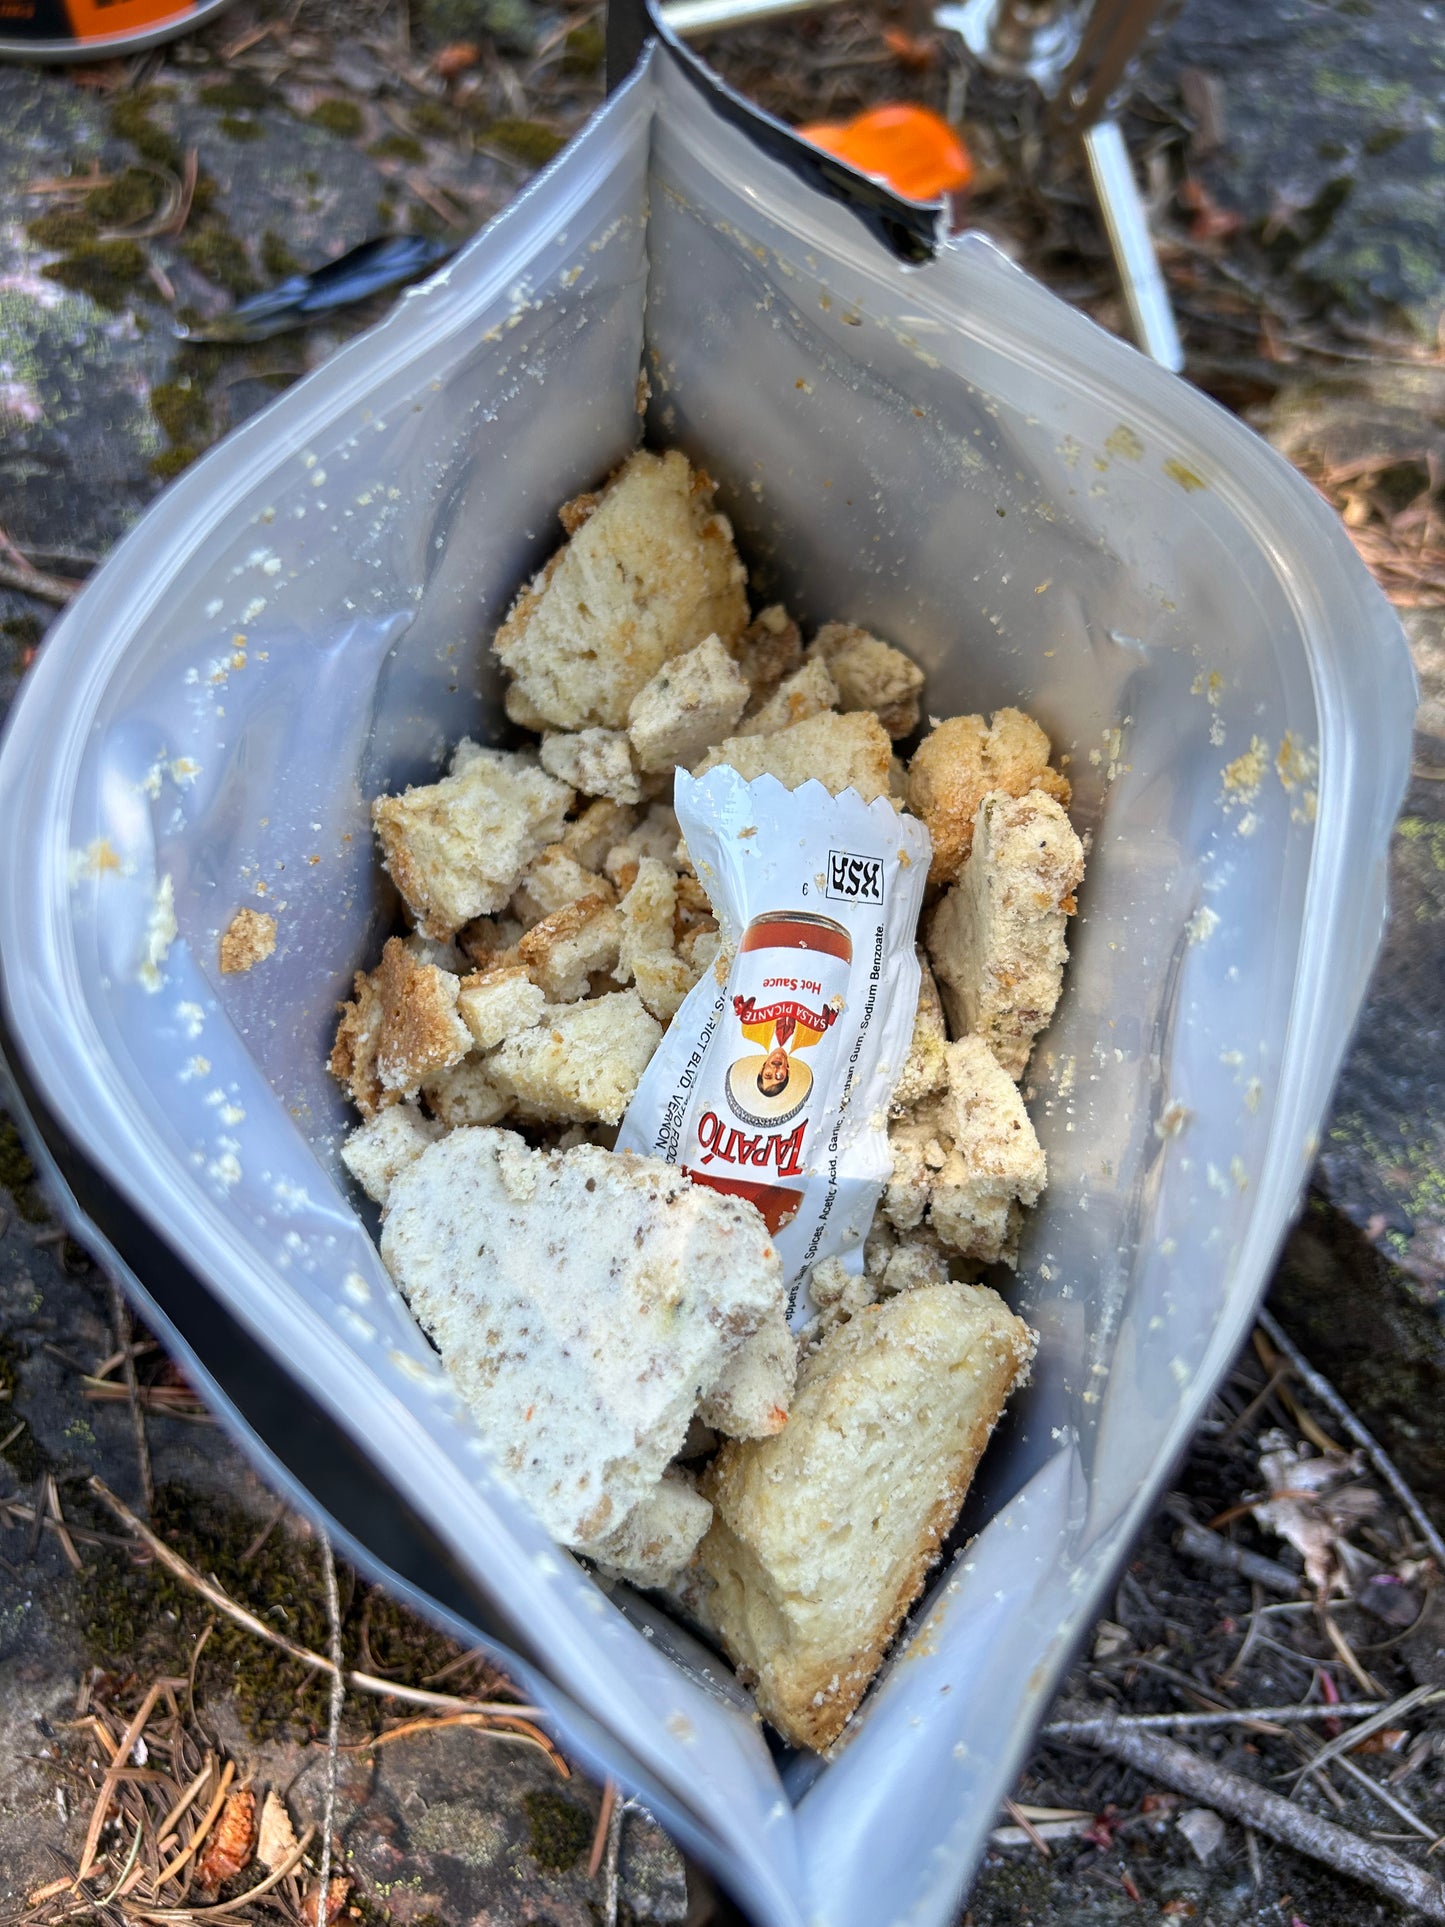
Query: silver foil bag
[934, 448]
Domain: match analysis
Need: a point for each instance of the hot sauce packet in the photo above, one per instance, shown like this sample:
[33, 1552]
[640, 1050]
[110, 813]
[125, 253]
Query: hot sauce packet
[773, 1081]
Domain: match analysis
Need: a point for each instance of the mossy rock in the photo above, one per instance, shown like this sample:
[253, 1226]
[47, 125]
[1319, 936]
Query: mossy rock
[235, 128]
[131, 120]
[397, 147]
[17, 1176]
[140, 1616]
[130, 198]
[107, 271]
[561, 1831]
[61, 230]
[216, 252]
[512, 24]
[341, 117]
[525, 140]
[242, 90]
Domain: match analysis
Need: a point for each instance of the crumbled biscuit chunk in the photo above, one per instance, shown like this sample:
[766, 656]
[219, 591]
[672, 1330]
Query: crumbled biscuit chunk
[916, 1259]
[750, 1398]
[386, 1144]
[968, 1158]
[809, 691]
[496, 1004]
[699, 951]
[490, 942]
[597, 762]
[248, 939]
[522, 710]
[650, 573]
[445, 956]
[997, 938]
[843, 752]
[646, 956]
[925, 1069]
[658, 1537]
[579, 1300]
[871, 674]
[656, 834]
[553, 880]
[466, 1094]
[456, 848]
[562, 951]
[353, 1055]
[400, 1028]
[581, 1064]
[690, 703]
[771, 647]
[838, 1294]
[601, 825]
[959, 762]
[822, 1537]
[421, 1032]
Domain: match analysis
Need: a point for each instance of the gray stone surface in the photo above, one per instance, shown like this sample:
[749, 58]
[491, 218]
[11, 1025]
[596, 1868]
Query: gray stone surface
[1334, 147]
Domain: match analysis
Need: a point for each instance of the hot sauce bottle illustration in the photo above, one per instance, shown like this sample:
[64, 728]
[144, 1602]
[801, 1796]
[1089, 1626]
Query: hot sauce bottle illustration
[759, 1111]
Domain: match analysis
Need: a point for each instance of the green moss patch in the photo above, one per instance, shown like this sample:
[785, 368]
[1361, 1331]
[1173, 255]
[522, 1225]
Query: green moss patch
[130, 120]
[142, 1618]
[17, 1176]
[342, 117]
[240, 90]
[133, 196]
[524, 140]
[561, 1831]
[237, 129]
[107, 271]
[397, 147]
[61, 230]
[216, 253]
[276, 258]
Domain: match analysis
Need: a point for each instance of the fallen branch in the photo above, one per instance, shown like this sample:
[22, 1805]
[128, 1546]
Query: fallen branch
[1320, 1387]
[1245, 1716]
[1255, 1806]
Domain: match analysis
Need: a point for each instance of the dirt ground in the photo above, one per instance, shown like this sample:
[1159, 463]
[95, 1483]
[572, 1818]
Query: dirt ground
[1290, 155]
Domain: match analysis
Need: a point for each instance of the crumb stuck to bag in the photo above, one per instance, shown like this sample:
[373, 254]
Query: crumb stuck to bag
[754, 1370]
[248, 939]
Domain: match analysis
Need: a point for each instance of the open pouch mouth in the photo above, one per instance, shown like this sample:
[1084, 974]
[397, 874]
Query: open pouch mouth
[940, 451]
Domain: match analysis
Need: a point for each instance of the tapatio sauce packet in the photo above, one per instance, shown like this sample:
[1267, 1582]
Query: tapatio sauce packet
[774, 1086]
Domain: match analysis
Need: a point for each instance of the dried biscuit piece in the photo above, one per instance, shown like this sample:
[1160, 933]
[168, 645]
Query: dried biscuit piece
[553, 880]
[969, 1159]
[466, 1094]
[658, 1537]
[871, 674]
[925, 1069]
[386, 1144]
[444, 955]
[959, 762]
[521, 710]
[456, 848]
[490, 943]
[750, 1398]
[689, 704]
[997, 937]
[579, 1300]
[809, 691]
[496, 1004]
[421, 1033]
[843, 752]
[353, 1055]
[581, 1064]
[655, 834]
[563, 950]
[838, 1294]
[596, 762]
[770, 648]
[649, 573]
[646, 956]
[823, 1536]
[601, 825]
[401, 1028]
[248, 939]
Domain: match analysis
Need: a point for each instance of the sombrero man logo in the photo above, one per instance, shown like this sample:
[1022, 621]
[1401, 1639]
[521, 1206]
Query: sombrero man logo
[771, 1085]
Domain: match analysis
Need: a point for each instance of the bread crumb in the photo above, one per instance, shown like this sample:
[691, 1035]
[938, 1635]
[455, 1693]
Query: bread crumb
[646, 577]
[871, 674]
[959, 762]
[842, 752]
[581, 1064]
[248, 939]
[689, 704]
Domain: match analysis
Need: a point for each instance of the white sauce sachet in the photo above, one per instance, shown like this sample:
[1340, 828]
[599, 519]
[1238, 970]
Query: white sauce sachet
[774, 1086]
